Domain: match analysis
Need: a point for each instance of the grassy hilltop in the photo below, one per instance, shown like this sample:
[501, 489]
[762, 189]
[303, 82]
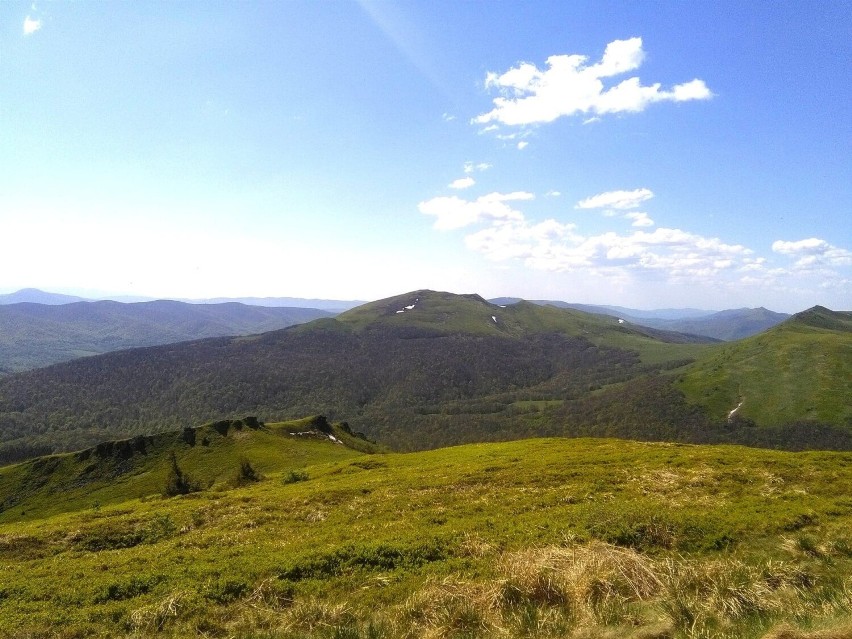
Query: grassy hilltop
[538, 538]
[802, 367]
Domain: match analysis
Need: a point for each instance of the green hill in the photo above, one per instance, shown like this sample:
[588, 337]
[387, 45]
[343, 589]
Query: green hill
[543, 538]
[207, 456]
[800, 369]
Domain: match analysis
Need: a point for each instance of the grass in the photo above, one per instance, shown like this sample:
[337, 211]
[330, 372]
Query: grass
[211, 456]
[539, 538]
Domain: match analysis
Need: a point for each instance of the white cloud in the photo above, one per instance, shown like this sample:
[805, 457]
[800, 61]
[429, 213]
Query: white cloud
[31, 25]
[553, 246]
[552, 194]
[448, 118]
[454, 212]
[470, 167]
[620, 200]
[522, 145]
[813, 253]
[639, 219]
[519, 240]
[462, 183]
[570, 86]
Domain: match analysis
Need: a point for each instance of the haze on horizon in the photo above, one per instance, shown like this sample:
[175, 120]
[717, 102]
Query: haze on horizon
[633, 154]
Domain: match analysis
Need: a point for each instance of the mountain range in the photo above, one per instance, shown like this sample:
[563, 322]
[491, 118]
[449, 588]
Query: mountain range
[36, 328]
[35, 335]
[727, 325]
[36, 296]
[428, 369]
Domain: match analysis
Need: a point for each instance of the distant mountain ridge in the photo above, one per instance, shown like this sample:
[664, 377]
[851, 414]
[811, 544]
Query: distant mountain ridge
[615, 311]
[35, 335]
[727, 325]
[36, 296]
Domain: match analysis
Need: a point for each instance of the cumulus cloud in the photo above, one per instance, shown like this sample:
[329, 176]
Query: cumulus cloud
[621, 200]
[569, 85]
[462, 183]
[522, 145]
[519, 239]
[552, 245]
[813, 253]
[31, 25]
[454, 212]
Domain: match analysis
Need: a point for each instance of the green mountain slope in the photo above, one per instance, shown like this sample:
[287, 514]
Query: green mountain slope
[35, 335]
[545, 538]
[209, 456]
[801, 369]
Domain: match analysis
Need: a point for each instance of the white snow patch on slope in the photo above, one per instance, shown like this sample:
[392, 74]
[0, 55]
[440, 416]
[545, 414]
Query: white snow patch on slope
[408, 308]
[494, 318]
[734, 412]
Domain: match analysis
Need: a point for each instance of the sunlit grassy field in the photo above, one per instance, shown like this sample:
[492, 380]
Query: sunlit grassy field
[538, 538]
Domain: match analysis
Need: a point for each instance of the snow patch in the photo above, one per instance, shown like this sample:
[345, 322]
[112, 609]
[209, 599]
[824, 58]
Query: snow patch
[621, 321]
[734, 412]
[313, 433]
[494, 318]
[408, 308]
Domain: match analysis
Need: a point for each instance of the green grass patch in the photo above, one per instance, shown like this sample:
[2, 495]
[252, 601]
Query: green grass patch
[547, 538]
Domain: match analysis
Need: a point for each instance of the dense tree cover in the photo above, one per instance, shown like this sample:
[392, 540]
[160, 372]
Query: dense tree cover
[367, 378]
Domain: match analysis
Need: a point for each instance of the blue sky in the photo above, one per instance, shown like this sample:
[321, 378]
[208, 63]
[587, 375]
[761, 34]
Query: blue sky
[646, 154]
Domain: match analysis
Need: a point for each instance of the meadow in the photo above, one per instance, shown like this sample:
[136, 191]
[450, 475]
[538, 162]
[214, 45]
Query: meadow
[534, 538]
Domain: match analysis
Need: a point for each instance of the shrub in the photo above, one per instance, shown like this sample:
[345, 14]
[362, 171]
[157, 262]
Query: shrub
[247, 474]
[294, 476]
[178, 482]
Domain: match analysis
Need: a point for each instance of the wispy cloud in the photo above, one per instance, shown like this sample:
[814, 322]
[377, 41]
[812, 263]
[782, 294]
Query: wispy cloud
[31, 25]
[471, 167]
[570, 86]
[621, 200]
[462, 183]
